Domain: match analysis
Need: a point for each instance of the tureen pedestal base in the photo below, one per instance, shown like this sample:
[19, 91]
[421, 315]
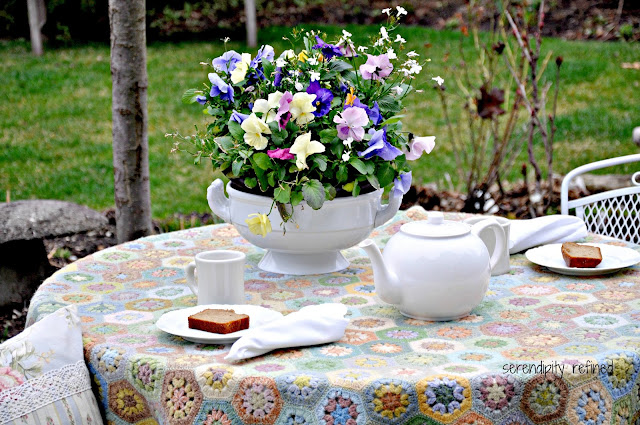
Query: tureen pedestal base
[436, 319]
[301, 264]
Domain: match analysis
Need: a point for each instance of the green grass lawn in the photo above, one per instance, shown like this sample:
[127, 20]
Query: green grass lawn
[55, 115]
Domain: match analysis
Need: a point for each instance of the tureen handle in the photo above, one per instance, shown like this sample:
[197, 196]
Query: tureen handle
[218, 203]
[386, 212]
[499, 249]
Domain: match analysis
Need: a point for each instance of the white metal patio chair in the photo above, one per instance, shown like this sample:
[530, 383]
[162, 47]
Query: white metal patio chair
[614, 213]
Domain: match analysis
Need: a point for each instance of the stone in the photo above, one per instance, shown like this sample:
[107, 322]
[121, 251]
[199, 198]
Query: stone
[636, 136]
[25, 224]
[596, 183]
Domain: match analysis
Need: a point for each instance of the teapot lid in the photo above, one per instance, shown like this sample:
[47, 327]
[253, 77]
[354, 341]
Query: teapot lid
[435, 227]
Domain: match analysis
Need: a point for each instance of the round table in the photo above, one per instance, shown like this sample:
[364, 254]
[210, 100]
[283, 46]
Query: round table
[387, 368]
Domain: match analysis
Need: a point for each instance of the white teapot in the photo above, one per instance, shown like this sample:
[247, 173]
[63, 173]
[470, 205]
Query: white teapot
[435, 269]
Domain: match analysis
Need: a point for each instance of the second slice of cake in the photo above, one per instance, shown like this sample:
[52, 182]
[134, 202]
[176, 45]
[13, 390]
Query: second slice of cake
[219, 321]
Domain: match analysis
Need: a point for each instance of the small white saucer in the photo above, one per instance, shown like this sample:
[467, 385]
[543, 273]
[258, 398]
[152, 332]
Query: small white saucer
[176, 323]
[614, 258]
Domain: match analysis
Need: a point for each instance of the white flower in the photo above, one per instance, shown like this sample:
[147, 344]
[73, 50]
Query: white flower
[303, 147]
[401, 11]
[383, 32]
[438, 80]
[347, 142]
[379, 42]
[287, 54]
[346, 34]
[391, 54]
[312, 61]
[387, 11]
[241, 69]
[268, 108]
[254, 127]
[412, 54]
[281, 63]
[397, 90]
[362, 49]
[399, 39]
[314, 76]
[298, 86]
[301, 107]
[346, 155]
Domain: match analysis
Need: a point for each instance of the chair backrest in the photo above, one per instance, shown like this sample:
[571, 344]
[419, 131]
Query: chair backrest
[613, 213]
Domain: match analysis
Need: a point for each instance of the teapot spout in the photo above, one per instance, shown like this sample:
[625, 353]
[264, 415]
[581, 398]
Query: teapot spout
[386, 282]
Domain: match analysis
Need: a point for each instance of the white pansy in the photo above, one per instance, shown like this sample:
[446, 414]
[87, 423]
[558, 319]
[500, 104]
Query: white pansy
[399, 39]
[362, 49]
[254, 129]
[268, 108]
[384, 33]
[397, 90]
[288, 54]
[438, 80]
[303, 147]
[391, 54]
[401, 11]
[312, 61]
[387, 11]
[412, 54]
[346, 155]
[281, 63]
[314, 76]
[301, 107]
[240, 71]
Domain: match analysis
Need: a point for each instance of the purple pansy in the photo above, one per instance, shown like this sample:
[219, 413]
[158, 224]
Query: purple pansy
[323, 99]
[201, 99]
[265, 53]
[402, 184]
[227, 62]
[277, 80]
[379, 146]
[238, 117]
[328, 50]
[376, 67]
[283, 114]
[373, 113]
[220, 88]
[350, 123]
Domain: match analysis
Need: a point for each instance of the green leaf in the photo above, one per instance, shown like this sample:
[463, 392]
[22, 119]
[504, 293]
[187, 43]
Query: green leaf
[361, 166]
[339, 66]
[271, 178]
[277, 136]
[197, 159]
[385, 174]
[262, 160]
[389, 104]
[224, 142]
[296, 198]
[282, 194]
[214, 111]
[356, 189]
[236, 167]
[321, 162]
[342, 174]
[250, 182]
[329, 191]
[391, 120]
[327, 135]
[235, 130]
[373, 180]
[313, 193]
[267, 68]
[260, 174]
[190, 96]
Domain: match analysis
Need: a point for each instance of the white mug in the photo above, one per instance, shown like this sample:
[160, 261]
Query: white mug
[220, 277]
[489, 239]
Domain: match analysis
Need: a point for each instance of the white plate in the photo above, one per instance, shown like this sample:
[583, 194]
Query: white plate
[176, 323]
[614, 258]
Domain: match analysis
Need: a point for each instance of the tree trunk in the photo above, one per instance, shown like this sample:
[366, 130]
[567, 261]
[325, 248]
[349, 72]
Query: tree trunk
[129, 110]
[252, 24]
[37, 17]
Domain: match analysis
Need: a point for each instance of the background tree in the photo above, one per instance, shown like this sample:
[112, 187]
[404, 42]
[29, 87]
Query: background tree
[129, 110]
[37, 18]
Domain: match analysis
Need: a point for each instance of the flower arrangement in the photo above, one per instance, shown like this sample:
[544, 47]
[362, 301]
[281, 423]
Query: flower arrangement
[314, 123]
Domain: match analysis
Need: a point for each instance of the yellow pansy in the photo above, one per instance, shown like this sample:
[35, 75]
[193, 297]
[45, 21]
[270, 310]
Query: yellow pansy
[241, 69]
[254, 129]
[303, 147]
[301, 107]
[269, 108]
[259, 224]
[303, 56]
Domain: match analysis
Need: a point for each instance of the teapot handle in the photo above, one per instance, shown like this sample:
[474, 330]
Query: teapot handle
[499, 249]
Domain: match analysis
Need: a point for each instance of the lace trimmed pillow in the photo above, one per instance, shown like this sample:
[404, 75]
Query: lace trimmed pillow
[43, 377]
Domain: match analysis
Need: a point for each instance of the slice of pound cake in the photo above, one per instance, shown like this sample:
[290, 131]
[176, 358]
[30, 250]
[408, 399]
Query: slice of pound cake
[582, 256]
[219, 321]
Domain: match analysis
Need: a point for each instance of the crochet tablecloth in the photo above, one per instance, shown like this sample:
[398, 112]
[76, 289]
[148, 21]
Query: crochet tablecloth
[486, 368]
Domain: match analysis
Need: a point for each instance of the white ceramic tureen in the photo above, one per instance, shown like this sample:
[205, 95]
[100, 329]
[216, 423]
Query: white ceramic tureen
[435, 269]
[314, 238]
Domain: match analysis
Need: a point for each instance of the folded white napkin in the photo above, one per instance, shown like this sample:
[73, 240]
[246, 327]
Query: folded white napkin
[545, 230]
[311, 325]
